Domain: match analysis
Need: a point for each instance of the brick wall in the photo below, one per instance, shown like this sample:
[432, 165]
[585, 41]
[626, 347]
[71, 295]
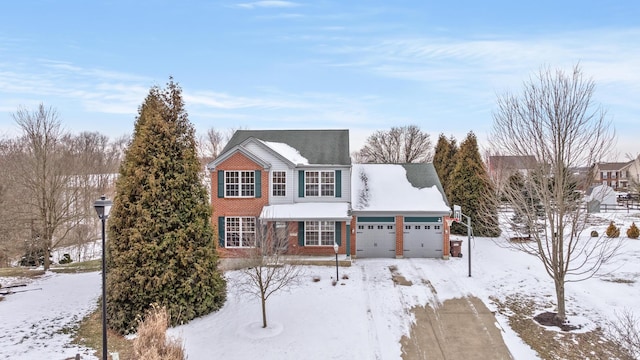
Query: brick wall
[399, 236]
[317, 250]
[237, 206]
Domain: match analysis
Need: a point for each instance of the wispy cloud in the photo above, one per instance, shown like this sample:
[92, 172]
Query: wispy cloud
[611, 54]
[268, 4]
[93, 89]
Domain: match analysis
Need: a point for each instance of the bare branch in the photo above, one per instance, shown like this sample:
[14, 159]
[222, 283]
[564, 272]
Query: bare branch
[406, 144]
[267, 269]
[555, 122]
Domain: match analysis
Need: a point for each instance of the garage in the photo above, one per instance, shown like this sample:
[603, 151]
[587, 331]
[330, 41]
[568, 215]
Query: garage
[375, 237]
[423, 237]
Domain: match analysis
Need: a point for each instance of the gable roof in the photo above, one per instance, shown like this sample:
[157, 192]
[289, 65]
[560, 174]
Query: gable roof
[614, 166]
[326, 147]
[512, 162]
[397, 187]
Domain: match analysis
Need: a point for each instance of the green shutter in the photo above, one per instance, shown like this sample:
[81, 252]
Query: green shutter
[301, 233]
[338, 179]
[301, 183]
[258, 183]
[338, 234]
[221, 231]
[220, 183]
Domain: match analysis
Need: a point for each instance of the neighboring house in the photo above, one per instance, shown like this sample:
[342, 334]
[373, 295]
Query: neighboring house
[618, 175]
[633, 175]
[302, 181]
[500, 168]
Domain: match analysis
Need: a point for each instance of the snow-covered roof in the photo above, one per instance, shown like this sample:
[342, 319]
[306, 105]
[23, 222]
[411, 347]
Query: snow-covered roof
[338, 211]
[385, 187]
[287, 152]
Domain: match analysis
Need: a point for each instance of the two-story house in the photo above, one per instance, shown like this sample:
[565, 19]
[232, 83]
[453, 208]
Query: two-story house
[617, 175]
[302, 181]
[298, 180]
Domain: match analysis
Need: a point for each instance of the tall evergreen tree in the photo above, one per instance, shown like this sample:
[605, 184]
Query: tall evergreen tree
[161, 242]
[444, 160]
[470, 187]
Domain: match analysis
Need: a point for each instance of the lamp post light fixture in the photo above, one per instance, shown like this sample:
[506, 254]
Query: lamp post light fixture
[335, 249]
[103, 207]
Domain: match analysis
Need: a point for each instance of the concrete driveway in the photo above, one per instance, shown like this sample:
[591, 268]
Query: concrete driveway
[458, 329]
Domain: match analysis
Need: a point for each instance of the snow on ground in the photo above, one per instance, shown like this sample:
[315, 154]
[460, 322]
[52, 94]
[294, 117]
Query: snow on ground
[81, 252]
[34, 324]
[363, 317]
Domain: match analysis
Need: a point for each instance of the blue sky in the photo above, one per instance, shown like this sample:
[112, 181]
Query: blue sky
[359, 65]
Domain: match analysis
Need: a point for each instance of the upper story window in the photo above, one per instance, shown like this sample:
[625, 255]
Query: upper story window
[279, 183]
[603, 175]
[239, 183]
[319, 183]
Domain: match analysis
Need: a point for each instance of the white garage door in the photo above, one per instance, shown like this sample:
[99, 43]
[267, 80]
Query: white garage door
[376, 237]
[423, 239]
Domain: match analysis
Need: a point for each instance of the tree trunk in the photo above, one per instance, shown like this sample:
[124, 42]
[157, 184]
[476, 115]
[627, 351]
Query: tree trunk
[561, 316]
[264, 312]
[47, 254]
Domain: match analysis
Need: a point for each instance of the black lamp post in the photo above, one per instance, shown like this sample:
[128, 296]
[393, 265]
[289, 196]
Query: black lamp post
[103, 207]
[335, 249]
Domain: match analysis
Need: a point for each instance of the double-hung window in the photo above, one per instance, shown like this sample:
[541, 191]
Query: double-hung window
[239, 183]
[279, 183]
[319, 233]
[319, 183]
[240, 231]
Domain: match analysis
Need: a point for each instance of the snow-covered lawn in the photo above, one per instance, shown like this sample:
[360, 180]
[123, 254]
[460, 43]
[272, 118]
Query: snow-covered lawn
[35, 324]
[363, 317]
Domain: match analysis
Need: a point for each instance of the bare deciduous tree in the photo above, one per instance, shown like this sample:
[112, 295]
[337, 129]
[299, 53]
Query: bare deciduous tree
[95, 165]
[211, 144]
[50, 180]
[555, 120]
[40, 167]
[625, 331]
[406, 144]
[266, 270]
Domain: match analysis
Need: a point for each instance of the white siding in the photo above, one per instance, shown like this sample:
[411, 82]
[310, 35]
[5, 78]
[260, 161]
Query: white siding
[345, 186]
[276, 165]
[292, 178]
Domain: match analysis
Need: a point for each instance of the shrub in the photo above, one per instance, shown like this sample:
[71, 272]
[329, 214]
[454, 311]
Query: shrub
[594, 233]
[613, 231]
[66, 259]
[633, 232]
[151, 342]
